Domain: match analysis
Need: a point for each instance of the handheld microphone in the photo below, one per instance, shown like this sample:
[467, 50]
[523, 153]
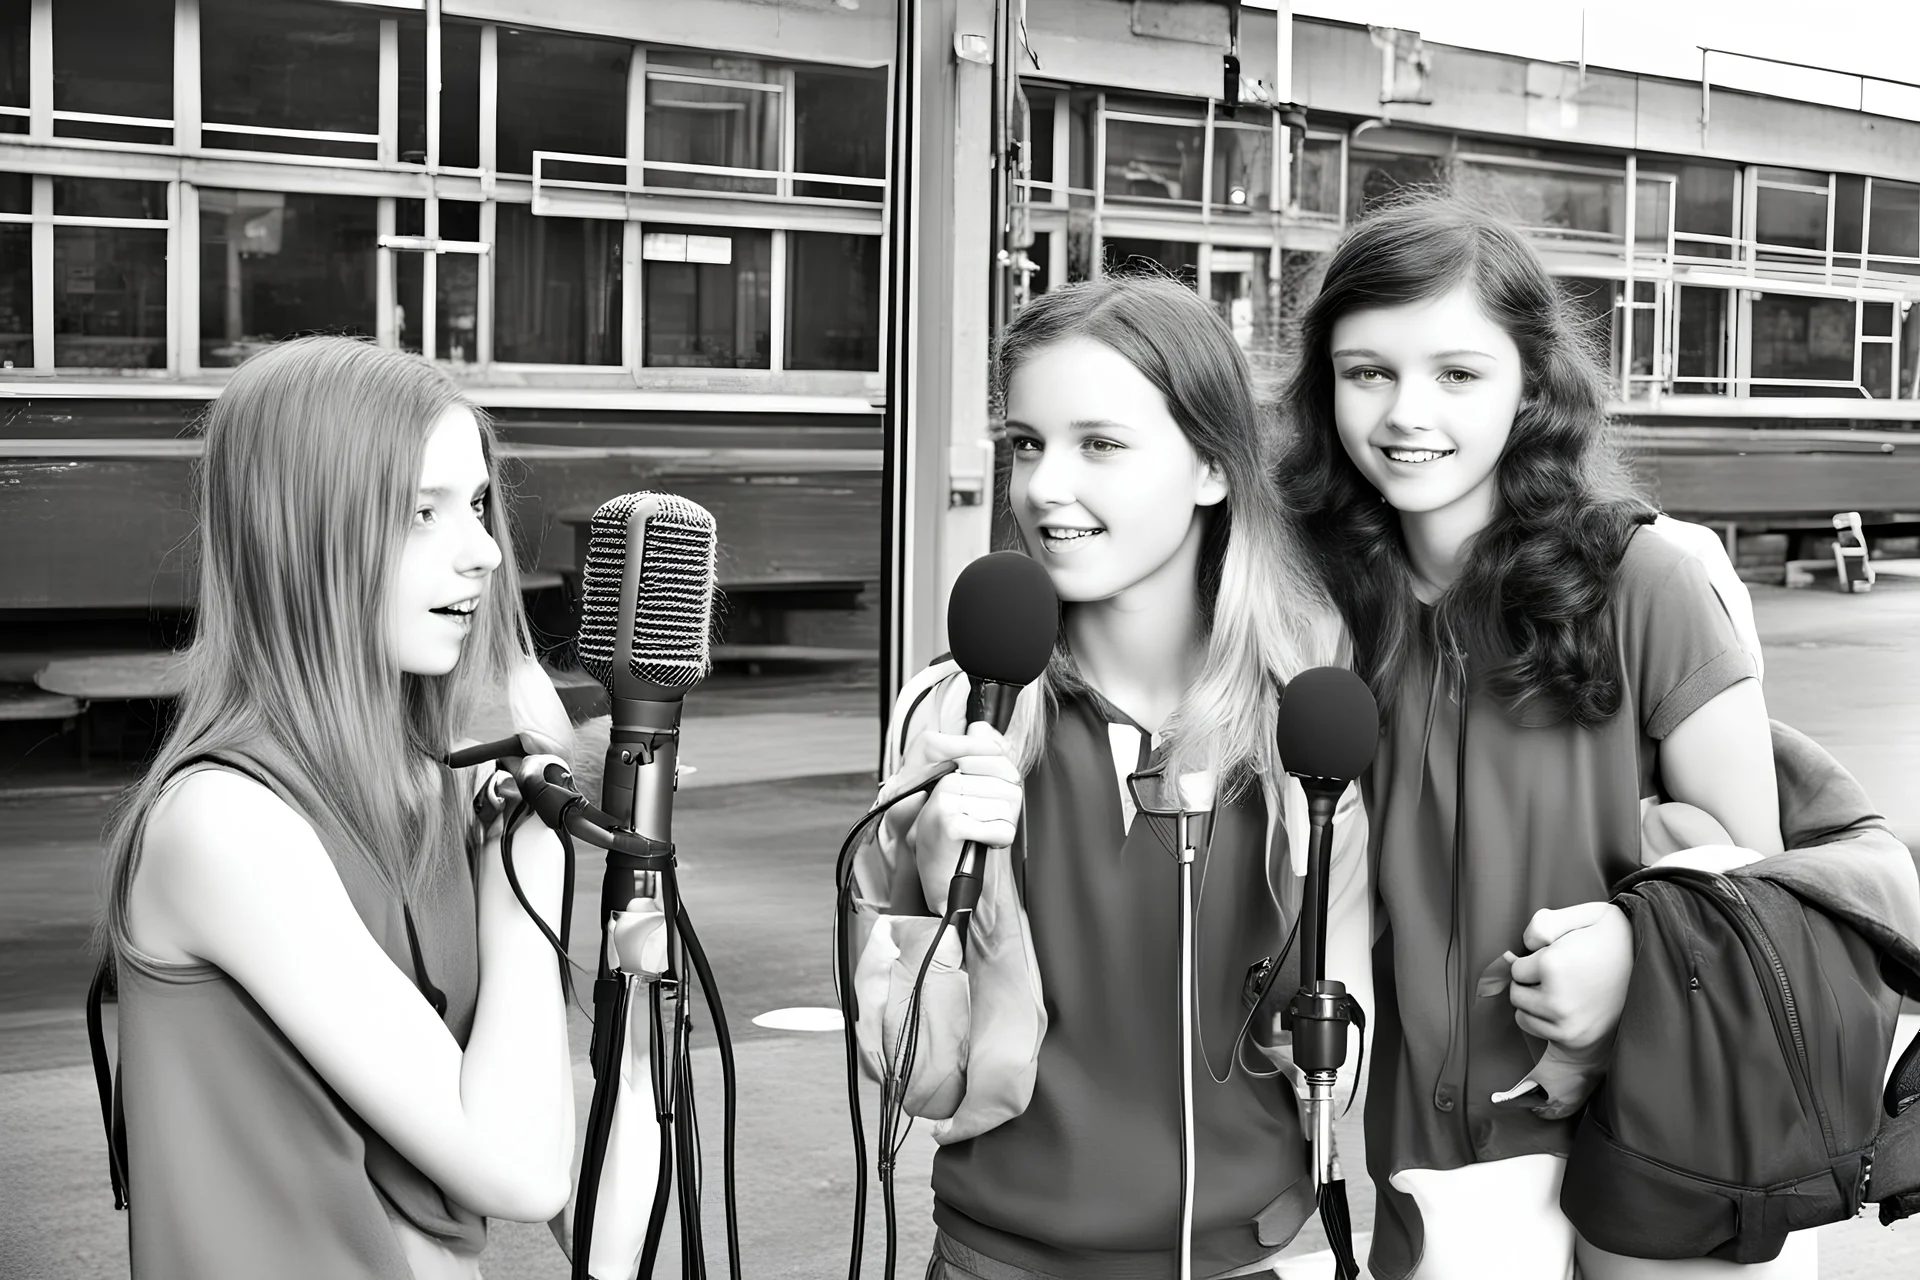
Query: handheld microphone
[1002, 620]
[1327, 731]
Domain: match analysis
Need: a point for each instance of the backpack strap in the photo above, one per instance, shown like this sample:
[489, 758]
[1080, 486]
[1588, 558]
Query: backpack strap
[106, 986]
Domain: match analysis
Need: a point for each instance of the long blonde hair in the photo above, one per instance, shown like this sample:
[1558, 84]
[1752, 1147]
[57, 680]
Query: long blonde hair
[1263, 615]
[305, 493]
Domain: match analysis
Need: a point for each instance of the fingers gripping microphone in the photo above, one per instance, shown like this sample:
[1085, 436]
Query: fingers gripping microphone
[1328, 728]
[1002, 620]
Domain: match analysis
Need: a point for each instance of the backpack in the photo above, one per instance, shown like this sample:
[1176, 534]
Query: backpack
[1744, 1099]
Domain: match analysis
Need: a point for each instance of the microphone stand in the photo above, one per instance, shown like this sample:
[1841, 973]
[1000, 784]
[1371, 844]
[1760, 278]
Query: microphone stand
[1319, 1015]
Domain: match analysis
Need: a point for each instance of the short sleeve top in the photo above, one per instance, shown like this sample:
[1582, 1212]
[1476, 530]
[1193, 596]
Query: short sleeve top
[1547, 814]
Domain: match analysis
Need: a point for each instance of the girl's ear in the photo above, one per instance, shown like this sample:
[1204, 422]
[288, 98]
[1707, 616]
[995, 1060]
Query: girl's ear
[1212, 489]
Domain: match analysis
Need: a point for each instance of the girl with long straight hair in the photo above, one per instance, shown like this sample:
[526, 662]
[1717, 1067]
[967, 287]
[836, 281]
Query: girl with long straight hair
[1139, 481]
[1544, 658]
[342, 1040]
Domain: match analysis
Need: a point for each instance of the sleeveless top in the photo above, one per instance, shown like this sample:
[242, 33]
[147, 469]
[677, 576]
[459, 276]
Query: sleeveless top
[242, 1162]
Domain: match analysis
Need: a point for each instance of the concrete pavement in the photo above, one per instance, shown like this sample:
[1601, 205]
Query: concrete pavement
[1845, 669]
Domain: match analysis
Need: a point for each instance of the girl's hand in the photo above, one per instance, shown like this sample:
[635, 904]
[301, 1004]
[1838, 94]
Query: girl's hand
[980, 801]
[1572, 987]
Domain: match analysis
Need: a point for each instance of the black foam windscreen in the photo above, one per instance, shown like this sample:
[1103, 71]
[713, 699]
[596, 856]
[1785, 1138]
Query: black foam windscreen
[1002, 617]
[672, 615]
[1329, 724]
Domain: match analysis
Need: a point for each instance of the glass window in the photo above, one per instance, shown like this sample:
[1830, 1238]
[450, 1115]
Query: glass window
[459, 95]
[840, 128]
[110, 298]
[1243, 168]
[1154, 161]
[413, 88]
[1371, 178]
[457, 308]
[109, 198]
[289, 64]
[1549, 201]
[1081, 140]
[16, 18]
[16, 295]
[833, 301]
[16, 193]
[1876, 369]
[1909, 387]
[556, 288]
[1320, 176]
[560, 93]
[1241, 284]
[727, 126]
[1040, 137]
[1803, 338]
[1652, 213]
[1894, 226]
[1876, 320]
[1849, 213]
[1706, 206]
[1040, 256]
[1701, 339]
[1158, 257]
[708, 297]
[1790, 217]
[114, 58]
[274, 264]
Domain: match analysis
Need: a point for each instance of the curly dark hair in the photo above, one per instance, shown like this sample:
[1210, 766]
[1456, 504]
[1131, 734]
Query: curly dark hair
[1529, 618]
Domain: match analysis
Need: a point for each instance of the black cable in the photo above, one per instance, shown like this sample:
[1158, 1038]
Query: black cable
[728, 1082]
[515, 819]
[843, 971]
[663, 1115]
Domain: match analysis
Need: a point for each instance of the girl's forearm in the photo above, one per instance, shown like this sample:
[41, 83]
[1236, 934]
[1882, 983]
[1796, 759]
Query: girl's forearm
[516, 1078]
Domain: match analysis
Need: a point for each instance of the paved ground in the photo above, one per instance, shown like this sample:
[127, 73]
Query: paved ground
[1845, 669]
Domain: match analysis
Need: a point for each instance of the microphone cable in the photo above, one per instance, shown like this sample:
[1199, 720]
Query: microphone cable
[897, 1068]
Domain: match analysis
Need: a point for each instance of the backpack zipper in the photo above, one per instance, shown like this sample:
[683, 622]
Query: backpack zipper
[1727, 897]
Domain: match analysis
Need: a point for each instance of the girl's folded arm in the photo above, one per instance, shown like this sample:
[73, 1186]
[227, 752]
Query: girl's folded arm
[236, 879]
[1720, 759]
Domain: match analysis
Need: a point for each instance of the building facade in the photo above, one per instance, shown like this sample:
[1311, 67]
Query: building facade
[746, 249]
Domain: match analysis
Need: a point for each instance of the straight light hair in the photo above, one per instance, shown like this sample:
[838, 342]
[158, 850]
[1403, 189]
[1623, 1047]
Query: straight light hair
[1262, 614]
[305, 492]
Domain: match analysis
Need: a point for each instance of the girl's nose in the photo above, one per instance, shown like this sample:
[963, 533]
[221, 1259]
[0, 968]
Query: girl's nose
[479, 554]
[1048, 481]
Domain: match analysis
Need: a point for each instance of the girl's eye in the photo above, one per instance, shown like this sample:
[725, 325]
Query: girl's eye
[1366, 375]
[480, 506]
[1457, 377]
[1097, 445]
[423, 516]
[1024, 444]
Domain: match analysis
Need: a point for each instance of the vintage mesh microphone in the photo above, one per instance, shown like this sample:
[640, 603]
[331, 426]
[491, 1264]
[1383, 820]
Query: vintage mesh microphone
[1002, 620]
[1328, 729]
[645, 619]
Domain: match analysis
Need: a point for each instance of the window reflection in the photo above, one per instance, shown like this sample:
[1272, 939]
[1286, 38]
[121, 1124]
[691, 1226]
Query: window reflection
[110, 297]
[1243, 168]
[1320, 176]
[109, 198]
[16, 295]
[16, 18]
[113, 57]
[1810, 338]
[1242, 287]
[1153, 161]
[560, 93]
[724, 125]
[1553, 202]
[839, 128]
[833, 301]
[289, 64]
[1705, 205]
[274, 264]
[1894, 227]
[556, 289]
[708, 297]
[1372, 178]
[1700, 340]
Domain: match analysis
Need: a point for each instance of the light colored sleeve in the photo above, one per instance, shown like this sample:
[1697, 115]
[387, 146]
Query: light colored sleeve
[1350, 923]
[1704, 545]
